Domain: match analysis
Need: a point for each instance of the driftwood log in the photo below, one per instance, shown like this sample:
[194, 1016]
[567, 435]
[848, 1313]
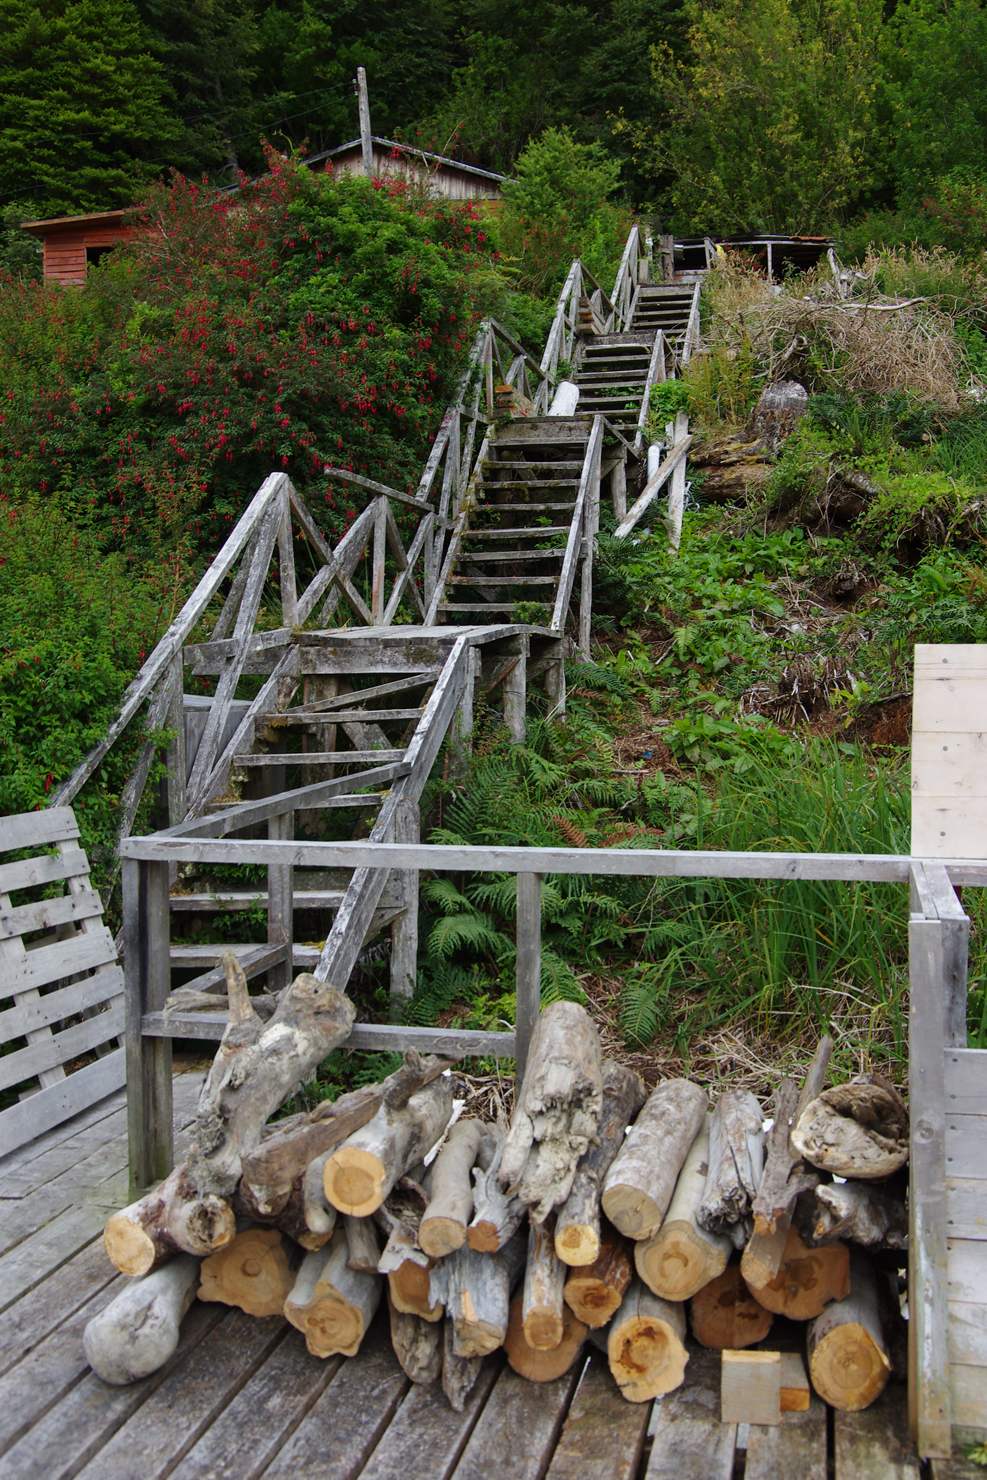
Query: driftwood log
[682, 1257]
[860, 1212]
[497, 1215]
[543, 1366]
[272, 1170]
[331, 1304]
[725, 1316]
[594, 1291]
[443, 1228]
[557, 1111]
[848, 1356]
[806, 1282]
[362, 1244]
[736, 1160]
[417, 1345]
[138, 1331]
[170, 1220]
[577, 1224]
[858, 1130]
[359, 1174]
[639, 1185]
[544, 1281]
[406, 1266]
[646, 1345]
[255, 1271]
[475, 1290]
[459, 1374]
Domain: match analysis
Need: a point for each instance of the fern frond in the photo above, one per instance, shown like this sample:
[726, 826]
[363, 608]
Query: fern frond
[453, 932]
[443, 892]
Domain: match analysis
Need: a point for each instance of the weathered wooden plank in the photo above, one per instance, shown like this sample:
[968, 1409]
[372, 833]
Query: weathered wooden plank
[667, 467]
[427, 1425]
[61, 1047]
[181, 1407]
[516, 1432]
[874, 1444]
[61, 1100]
[344, 1425]
[27, 873]
[370, 1037]
[527, 982]
[56, 824]
[54, 1007]
[603, 1435]
[45, 914]
[949, 762]
[690, 1442]
[968, 1334]
[957, 1467]
[82, 1181]
[246, 814]
[966, 1144]
[244, 735]
[966, 1081]
[795, 1449]
[27, 1323]
[966, 1208]
[967, 1271]
[50, 963]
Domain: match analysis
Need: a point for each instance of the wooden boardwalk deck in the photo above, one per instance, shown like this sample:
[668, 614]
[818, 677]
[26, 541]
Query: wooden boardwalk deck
[242, 1398]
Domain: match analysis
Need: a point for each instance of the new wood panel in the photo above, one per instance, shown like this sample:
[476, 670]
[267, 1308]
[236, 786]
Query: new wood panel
[949, 751]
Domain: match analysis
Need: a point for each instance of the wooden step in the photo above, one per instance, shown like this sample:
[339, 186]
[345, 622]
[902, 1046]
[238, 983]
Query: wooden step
[302, 899]
[479, 606]
[532, 482]
[525, 508]
[543, 530]
[498, 581]
[555, 553]
[317, 757]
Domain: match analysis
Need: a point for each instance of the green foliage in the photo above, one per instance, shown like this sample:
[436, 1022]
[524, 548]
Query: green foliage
[668, 398]
[723, 384]
[917, 508]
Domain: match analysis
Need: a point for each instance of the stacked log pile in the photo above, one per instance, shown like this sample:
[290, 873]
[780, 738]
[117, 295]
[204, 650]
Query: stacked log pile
[601, 1213]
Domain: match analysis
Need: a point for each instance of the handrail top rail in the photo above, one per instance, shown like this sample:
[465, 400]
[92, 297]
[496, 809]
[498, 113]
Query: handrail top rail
[616, 862]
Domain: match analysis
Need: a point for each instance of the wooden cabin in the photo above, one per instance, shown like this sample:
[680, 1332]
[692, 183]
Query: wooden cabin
[73, 244]
[448, 177]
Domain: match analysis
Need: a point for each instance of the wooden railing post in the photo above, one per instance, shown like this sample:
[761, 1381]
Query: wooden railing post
[404, 931]
[379, 556]
[516, 692]
[280, 900]
[147, 981]
[528, 973]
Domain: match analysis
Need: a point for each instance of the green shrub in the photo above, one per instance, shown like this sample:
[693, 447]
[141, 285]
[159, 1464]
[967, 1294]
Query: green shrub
[723, 384]
[919, 508]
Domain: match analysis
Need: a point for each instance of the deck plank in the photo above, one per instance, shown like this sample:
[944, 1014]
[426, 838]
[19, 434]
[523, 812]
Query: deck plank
[794, 1448]
[33, 1317]
[875, 1444]
[426, 1424]
[690, 1442]
[603, 1436]
[517, 1431]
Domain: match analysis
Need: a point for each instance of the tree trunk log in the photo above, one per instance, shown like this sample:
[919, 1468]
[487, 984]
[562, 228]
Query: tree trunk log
[475, 1290]
[170, 1220]
[319, 1214]
[544, 1281]
[257, 1067]
[780, 1184]
[595, 1291]
[682, 1257]
[406, 1266]
[860, 1212]
[331, 1304]
[857, 1130]
[725, 1316]
[255, 1272]
[542, 1366]
[139, 1329]
[459, 1374]
[496, 1215]
[361, 1240]
[359, 1174]
[848, 1356]
[639, 1185]
[736, 1160]
[557, 1111]
[646, 1345]
[417, 1345]
[443, 1228]
[577, 1225]
[806, 1282]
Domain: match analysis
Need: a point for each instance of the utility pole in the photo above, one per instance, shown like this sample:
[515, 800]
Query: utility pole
[365, 140]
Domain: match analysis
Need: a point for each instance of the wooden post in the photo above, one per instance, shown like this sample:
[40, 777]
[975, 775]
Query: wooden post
[515, 693]
[366, 141]
[955, 952]
[618, 489]
[175, 759]
[147, 980]
[280, 899]
[286, 567]
[380, 552]
[404, 931]
[928, 1288]
[528, 978]
[676, 492]
[461, 729]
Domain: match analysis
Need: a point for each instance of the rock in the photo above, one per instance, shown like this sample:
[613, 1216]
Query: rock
[777, 414]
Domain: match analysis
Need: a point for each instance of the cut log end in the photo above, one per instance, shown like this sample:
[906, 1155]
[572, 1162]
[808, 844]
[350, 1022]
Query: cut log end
[354, 1181]
[409, 1287]
[331, 1328]
[542, 1366]
[543, 1330]
[253, 1272]
[647, 1358]
[848, 1369]
[440, 1236]
[577, 1244]
[483, 1237]
[129, 1248]
[725, 1316]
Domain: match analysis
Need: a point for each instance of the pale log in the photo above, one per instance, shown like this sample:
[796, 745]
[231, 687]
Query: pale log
[319, 1214]
[781, 1182]
[259, 1065]
[557, 1111]
[646, 1345]
[361, 1240]
[475, 1290]
[417, 1345]
[806, 1282]
[138, 1331]
[857, 1130]
[682, 1257]
[443, 1228]
[172, 1219]
[577, 1224]
[736, 1160]
[255, 1272]
[497, 1215]
[594, 1291]
[291, 1217]
[406, 1266]
[860, 1212]
[359, 1174]
[544, 1281]
[543, 1366]
[459, 1374]
[639, 1185]
[331, 1304]
[725, 1316]
[848, 1358]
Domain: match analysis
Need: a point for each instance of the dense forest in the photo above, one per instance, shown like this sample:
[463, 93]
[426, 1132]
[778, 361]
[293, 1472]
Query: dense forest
[730, 116]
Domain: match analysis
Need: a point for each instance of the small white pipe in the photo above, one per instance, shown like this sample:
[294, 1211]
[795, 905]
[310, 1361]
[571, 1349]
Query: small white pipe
[654, 459]
[566, 399]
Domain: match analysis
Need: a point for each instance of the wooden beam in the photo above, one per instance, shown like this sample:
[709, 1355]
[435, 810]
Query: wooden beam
[653, 487]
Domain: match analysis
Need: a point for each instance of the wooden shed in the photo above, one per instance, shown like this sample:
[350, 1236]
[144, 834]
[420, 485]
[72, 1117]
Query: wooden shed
[72, 244]
[449, 177]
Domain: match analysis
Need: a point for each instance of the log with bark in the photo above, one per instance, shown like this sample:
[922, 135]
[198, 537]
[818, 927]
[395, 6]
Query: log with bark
[497, 1215]
[646, 1345]
[363, 1244]
[639, 1184]
[849, 1362]
[443, 1228]
[577, 1224]
[272, 1170]
[170, 1220]
[557, 1112]
[725, 1316]
[806, 1282]
[459, 1374]
[417, 1345]
[682, 1257]
[857, 1130]
[406, 1266]
[359, 1174]
[331, 1304]
[594, 1291]
[255, 1271]
[544, 1282]
[860, 1212]
[543, 1366]
[736, 1160]
[138, 1331]
[475, 1290]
